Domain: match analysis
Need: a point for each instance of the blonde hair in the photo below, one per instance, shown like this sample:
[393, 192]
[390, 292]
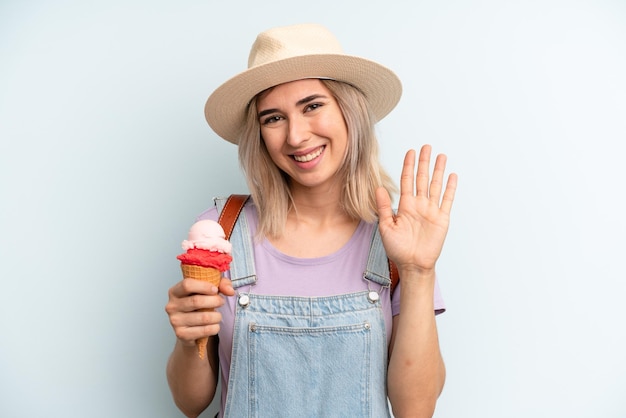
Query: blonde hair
[361, 171]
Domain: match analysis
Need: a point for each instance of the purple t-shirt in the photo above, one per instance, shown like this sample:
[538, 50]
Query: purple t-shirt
[282, 275]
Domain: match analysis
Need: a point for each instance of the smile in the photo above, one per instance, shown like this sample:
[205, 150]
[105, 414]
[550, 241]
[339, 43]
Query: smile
[310, 156]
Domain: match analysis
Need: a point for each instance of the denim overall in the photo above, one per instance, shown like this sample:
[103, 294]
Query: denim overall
[307, 356]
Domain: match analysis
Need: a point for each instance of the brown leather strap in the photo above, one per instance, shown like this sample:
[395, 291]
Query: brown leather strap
[393, 275]
[233, 207]
[230, 213]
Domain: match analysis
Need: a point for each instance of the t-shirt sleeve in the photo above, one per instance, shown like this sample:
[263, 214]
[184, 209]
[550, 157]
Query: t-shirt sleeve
[210, 213]
[440, 306]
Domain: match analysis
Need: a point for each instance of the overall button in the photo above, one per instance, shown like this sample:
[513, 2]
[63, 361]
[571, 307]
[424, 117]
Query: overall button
[244, 300]
[373, 296]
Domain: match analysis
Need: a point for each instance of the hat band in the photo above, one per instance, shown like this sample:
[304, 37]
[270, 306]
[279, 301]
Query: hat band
[305, 78]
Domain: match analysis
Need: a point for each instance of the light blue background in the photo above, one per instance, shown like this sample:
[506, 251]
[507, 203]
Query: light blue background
[105, 159]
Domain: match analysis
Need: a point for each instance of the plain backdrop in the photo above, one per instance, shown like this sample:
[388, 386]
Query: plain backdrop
[105, 160]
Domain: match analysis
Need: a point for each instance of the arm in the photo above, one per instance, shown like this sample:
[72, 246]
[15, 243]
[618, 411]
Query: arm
[413, 239]
[193, 380]
[416, 372]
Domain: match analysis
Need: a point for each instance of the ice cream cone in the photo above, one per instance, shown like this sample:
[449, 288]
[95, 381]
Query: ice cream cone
[206, 274]
[206, 257]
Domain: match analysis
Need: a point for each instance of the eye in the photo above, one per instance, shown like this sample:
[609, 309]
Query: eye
[271, 119]
[312, 106]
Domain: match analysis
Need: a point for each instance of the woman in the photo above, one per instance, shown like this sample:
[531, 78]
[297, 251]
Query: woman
[309, 326]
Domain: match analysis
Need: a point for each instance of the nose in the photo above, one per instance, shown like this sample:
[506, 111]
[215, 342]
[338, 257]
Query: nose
[298, 131]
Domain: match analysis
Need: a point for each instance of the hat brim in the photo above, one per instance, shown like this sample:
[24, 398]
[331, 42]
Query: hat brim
[225, 109]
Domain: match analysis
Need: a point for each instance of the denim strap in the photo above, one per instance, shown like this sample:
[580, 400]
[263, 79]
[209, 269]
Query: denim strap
[377, 269]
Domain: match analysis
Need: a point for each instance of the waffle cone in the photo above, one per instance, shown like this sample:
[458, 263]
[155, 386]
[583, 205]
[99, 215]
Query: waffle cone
[206, 274]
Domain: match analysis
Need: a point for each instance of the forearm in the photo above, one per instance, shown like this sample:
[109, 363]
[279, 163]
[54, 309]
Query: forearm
[416, 370]
[192, 380]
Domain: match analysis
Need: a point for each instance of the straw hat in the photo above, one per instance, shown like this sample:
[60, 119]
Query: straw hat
[290, 53]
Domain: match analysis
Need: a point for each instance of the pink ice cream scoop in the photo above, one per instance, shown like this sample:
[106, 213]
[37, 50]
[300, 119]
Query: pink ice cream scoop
[207, 235]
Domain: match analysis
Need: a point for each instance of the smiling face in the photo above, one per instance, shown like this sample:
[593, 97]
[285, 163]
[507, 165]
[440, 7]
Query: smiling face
[304, 131]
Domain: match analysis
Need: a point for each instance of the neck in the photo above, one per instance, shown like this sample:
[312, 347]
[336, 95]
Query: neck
[318, 207]
[316, 225]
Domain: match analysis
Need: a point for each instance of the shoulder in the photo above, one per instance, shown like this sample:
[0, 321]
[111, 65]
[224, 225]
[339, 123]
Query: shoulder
[212, 212]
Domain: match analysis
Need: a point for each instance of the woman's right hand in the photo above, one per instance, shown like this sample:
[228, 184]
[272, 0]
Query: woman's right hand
[187, 300]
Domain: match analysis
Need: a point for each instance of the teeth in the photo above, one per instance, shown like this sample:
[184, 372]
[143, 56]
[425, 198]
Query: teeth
[308, 157]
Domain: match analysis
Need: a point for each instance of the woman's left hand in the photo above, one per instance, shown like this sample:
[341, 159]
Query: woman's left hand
[414, 236]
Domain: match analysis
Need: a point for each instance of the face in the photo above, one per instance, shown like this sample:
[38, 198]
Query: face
[304, 131]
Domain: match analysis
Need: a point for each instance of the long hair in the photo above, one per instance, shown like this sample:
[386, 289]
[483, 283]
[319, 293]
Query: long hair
[361, 172]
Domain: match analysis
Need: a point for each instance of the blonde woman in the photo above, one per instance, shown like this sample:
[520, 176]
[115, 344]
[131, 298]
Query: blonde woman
[306, 321]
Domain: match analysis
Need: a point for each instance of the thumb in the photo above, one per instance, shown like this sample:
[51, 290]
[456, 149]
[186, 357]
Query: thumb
[226, 287]
[383, 204]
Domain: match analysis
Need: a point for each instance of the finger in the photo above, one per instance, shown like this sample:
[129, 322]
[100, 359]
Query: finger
[197, 302]
[436, 183]
[182, 321]
[204, 331]
[448, 194]
[423, 166]
[226, 287]
[383, 204]
[197, 319]
[177, 291]
[188, 287]
[406, 177]
[189, 334]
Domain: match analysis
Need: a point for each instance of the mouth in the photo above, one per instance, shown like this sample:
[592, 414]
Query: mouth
[309, 156]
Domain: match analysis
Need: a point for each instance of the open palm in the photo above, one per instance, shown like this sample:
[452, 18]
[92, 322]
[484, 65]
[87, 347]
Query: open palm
[414, 236]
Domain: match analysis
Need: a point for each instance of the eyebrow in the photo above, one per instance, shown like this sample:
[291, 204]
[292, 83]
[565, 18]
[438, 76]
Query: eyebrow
[298, 103]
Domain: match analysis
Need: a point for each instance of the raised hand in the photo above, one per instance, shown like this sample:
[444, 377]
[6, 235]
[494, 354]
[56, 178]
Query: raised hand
[414, 236]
